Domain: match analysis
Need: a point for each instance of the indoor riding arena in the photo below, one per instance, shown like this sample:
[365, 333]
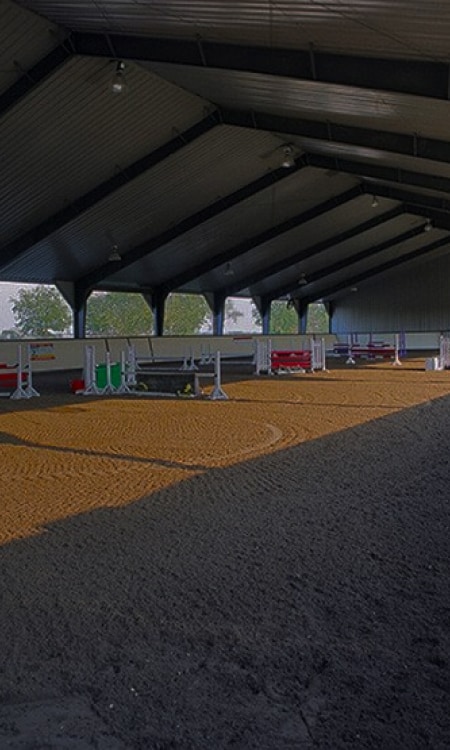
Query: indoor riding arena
[225, 531]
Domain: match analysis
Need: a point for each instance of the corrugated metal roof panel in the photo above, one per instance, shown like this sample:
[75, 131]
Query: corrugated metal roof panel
[72, 133]
[373, 156]
[219, 163]
[352, 269]
[374, 261]
[294, 195]
[289, 244]
[24, 39]
[416, 192]
[385, 232]
[343, 105]
[384, 303]
[69, 134]
[400, 28]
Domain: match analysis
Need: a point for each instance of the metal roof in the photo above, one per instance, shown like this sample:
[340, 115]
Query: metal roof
[183, 170]
[399, 28]
[26, 38]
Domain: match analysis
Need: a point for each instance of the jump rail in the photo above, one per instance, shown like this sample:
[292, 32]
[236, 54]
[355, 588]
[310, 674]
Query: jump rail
[373, 350]
[19, 375]
[268, 360]
[129, 370]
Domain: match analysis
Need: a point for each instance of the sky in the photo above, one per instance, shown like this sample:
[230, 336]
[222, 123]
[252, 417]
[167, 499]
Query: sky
[6, 292]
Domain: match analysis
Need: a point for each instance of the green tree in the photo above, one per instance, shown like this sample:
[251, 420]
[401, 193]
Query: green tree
[185, 314]
[128, 314]
[118, 314]
[40, 312]
[283, 319]
[318, 320]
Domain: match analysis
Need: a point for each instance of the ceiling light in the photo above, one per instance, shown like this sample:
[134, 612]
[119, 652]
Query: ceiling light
[288, 160]
[302, 280]
[229, 270]
[428, 226]
[354, 289]
[114, 256]
[374, 202]
[118, 82]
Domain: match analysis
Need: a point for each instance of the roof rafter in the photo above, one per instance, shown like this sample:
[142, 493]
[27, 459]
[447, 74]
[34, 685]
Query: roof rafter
[22, 244]
[422, 78]
[34, 76]
[400, 143]
[365, 169]
[268, 234]
[328, 292]
[418, 205]
[411, 197]
[310, 252]
[344, 263]
[89, 281]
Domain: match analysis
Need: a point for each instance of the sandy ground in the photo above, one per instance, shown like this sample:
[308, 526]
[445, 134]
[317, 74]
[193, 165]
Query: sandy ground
[268, 572]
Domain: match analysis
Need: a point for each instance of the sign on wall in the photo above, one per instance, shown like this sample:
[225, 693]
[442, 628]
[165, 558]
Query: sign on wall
[41, 352]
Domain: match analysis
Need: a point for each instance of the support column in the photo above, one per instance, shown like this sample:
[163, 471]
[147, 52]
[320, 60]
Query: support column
[76, 297]
[158, 305]
[216, 304]
[263, 305]
[147, 296]
[302, 314]
[330, 308]
[218, 311]
[79, 307]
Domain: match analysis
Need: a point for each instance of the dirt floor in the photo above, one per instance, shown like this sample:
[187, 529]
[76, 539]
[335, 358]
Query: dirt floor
[266, 573]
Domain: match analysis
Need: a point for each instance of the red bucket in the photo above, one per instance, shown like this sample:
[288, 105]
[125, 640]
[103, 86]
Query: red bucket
[77, 385]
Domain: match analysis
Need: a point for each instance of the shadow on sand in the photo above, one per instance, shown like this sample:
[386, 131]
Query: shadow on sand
[299, 600]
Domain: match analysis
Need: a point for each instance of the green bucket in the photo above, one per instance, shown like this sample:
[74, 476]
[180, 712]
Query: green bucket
[100, 375]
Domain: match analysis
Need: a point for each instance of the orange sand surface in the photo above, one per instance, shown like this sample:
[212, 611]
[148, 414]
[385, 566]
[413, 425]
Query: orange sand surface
[64, 456]
[268, 572]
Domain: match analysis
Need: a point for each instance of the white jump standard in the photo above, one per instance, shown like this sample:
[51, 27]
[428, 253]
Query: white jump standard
[21, 374]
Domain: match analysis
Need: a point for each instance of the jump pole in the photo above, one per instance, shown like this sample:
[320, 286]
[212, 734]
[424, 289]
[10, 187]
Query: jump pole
[396, 362]
[350, 358]
[189, 365]
[21, 391]
[131, 365]
[444, 352]
[263, 357]
[109, 387]
[318, 355]
[206, 357]
[90, 386]
[29, 387]
[218, 394]
[123, 387]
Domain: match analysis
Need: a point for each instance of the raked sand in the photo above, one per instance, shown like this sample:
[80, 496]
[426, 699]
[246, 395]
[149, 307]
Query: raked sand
[270, 571]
